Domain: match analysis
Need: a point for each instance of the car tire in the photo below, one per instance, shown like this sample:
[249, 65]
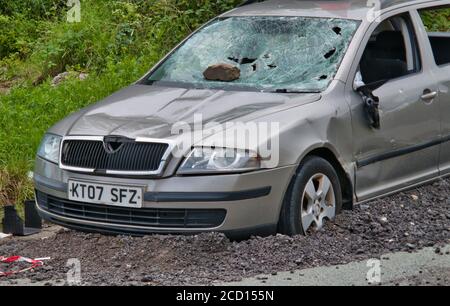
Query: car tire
[314, 197]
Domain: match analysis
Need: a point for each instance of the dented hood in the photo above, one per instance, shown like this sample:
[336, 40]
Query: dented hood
[151, 111]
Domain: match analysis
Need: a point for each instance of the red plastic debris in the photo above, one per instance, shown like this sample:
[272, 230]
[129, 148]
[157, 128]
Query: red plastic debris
[32, 264]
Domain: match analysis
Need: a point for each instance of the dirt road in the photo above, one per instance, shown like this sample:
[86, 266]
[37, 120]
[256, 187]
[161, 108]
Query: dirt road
[407, 222]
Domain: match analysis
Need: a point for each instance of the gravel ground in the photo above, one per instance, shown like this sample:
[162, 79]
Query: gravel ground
[429, 277]
[407, 221]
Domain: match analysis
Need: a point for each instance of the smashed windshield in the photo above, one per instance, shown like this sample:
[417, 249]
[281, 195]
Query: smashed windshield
[263, 53]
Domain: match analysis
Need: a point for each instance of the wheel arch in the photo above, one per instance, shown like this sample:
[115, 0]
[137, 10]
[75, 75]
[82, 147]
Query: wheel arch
[328, 152]
[330, 156]
[344, 178]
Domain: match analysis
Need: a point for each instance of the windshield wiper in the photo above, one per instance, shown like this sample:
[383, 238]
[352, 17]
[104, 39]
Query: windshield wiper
[284, 90]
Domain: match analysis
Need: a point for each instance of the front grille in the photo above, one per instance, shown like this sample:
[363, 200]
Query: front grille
[129, 156]
[146, 217]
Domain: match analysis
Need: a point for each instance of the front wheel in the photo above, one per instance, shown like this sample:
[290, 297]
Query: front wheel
[314, 197]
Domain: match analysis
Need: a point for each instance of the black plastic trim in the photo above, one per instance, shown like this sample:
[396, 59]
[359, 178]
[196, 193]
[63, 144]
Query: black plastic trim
[206, 196]
[238, 234]
[396, 153]
[176, 219]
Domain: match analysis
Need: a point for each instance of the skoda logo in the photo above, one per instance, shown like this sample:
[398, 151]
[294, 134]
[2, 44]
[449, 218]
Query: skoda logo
[112, 144]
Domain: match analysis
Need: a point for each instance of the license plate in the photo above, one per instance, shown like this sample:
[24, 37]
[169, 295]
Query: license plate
[105, 194]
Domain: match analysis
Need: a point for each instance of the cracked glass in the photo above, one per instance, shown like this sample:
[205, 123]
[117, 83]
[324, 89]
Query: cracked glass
[274, 54]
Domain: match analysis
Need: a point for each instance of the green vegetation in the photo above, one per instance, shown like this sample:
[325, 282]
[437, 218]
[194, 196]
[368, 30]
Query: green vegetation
[116, 42]
[436, 20]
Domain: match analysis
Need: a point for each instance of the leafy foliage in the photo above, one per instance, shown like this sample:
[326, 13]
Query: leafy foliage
[33, 9]
[116, 42]
[437, 20]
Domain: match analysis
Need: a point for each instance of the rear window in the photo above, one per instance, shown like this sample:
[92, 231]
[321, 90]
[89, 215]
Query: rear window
[437, 24]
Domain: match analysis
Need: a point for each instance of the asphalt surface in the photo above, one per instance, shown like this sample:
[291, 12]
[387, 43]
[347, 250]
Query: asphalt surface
[427, 267]
[406, 222]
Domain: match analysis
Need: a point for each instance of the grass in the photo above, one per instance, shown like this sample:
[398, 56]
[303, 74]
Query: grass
[116, 42]
[14, 184]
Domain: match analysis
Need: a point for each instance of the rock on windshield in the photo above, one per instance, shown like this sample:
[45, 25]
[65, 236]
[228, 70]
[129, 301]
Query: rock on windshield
[272, 53]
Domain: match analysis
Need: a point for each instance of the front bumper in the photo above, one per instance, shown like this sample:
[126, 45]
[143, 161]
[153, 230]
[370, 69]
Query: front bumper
[251, 201]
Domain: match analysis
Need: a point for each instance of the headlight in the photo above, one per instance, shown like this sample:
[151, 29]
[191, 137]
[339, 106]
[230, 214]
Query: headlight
[49, 148]
[203, 160]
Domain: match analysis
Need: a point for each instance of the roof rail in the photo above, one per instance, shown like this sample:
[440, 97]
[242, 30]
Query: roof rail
[247, 2]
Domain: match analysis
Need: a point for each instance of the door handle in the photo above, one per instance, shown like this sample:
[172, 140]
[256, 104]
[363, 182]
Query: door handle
[428, 95]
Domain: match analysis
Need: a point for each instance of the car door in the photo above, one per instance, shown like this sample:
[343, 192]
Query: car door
[439, 48]
[405, 149]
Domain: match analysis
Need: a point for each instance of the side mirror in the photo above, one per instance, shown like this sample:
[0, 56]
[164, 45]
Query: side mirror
[371, 106]
[371, 102]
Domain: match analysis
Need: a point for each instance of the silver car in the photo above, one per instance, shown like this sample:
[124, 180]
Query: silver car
[340, 102]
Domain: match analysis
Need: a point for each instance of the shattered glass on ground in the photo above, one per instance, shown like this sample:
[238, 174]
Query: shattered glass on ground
[273, 53]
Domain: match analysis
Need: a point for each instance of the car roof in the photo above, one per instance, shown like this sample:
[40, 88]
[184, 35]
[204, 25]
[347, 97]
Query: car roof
[347, 9]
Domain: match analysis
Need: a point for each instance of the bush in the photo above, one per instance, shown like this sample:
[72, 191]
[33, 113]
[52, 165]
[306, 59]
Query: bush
[116, 42]
[33, 9]
[18, 35]
[436, 20]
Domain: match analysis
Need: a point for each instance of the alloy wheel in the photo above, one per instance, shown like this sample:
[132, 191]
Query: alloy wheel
[318, 202]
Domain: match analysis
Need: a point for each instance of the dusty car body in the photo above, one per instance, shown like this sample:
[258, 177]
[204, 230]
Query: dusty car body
[365, 139]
